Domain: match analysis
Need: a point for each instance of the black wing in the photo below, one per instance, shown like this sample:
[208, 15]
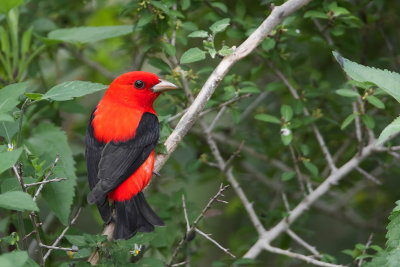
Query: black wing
[120, 159]
[93, 155]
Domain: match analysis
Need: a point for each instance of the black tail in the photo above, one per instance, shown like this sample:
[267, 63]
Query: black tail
[133, 216]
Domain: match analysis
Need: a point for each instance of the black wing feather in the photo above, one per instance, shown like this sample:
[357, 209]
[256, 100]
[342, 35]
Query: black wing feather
[120, 159]
[93, 155]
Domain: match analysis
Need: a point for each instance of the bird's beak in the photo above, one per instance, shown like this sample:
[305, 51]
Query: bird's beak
[163, 86]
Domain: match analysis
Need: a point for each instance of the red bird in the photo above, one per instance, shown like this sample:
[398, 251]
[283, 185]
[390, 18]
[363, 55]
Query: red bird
[120, 140]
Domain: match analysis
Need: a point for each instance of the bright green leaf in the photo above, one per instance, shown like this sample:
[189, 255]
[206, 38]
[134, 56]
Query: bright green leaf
[315, 14]
[169, 48]
[391, 129]
[387, 80]
[15, 258]
[225, 50]
[84, 35]
[375, 101]
[268, 44]
[9, 96]
[69, 90]
[220, 26]
[7, 5]
[193, 55]
[286, 112]
[9, 158]
[17, 200]
[347, 93]
[198, 34]
[220, 6]
[268, 118]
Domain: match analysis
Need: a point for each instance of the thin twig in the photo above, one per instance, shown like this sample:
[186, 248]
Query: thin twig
[55, 243]
[298, 173]
[46, 182]
[368, 176]
[194, 225]
[369, 242]
[307, 259]
[216, 119]
[233, 156]
[303, 243]
[185, 213]
[48, 174]
[285, 202]
[58, 248]
[215, 242]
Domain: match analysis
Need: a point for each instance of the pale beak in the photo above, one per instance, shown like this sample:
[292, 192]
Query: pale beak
[163, 86]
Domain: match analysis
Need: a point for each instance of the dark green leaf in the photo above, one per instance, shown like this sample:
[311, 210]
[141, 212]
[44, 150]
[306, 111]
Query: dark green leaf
[220, 6]
[159, 64]
[368, 121]
[17, 200]
[311, 168]
[315, 14]
[47, 141]
[77, 240]
[347, 121]
[286, 176]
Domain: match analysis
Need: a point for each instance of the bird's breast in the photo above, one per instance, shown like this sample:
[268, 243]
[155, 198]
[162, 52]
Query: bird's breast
[113, 122]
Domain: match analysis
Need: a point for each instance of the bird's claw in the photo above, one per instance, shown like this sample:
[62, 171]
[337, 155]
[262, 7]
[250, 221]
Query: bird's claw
[156, 173]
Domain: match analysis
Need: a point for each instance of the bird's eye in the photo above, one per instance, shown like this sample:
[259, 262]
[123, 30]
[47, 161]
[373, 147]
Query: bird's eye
[139, 84]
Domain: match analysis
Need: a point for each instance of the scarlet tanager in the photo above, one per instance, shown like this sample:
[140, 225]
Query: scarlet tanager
[120, 139]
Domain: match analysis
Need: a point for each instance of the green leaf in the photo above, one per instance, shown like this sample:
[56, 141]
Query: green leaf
[159, 64]
[268, 44]
[286, 136]
[220, 26]
[9, 158]
[393, 228]
[34, 96]
[185, 4]
[169, 49]
[347, 93]
[82, 253]
[12, 184]
[268, 118]
[17, 200]
[15, 258]
[46, 142]
[311, 168]
[220, 6]
[286, 112]
[286, 176]
[386, 80]
[7, 5]
[375, 101]
[8, 130]
[225, 50]
[249, 89]
[391, 129]
[347, 121]
[69, 90]
[315, 14]
[145, 19]
[77, 240]
[9, 96]
[93, 34]
[26, 41]
[193, 55]
[368, 121]
[198, 34]
[5, 40]
[151, 262]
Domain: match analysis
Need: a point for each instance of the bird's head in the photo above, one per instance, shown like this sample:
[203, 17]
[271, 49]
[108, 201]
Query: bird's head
[137, 89]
